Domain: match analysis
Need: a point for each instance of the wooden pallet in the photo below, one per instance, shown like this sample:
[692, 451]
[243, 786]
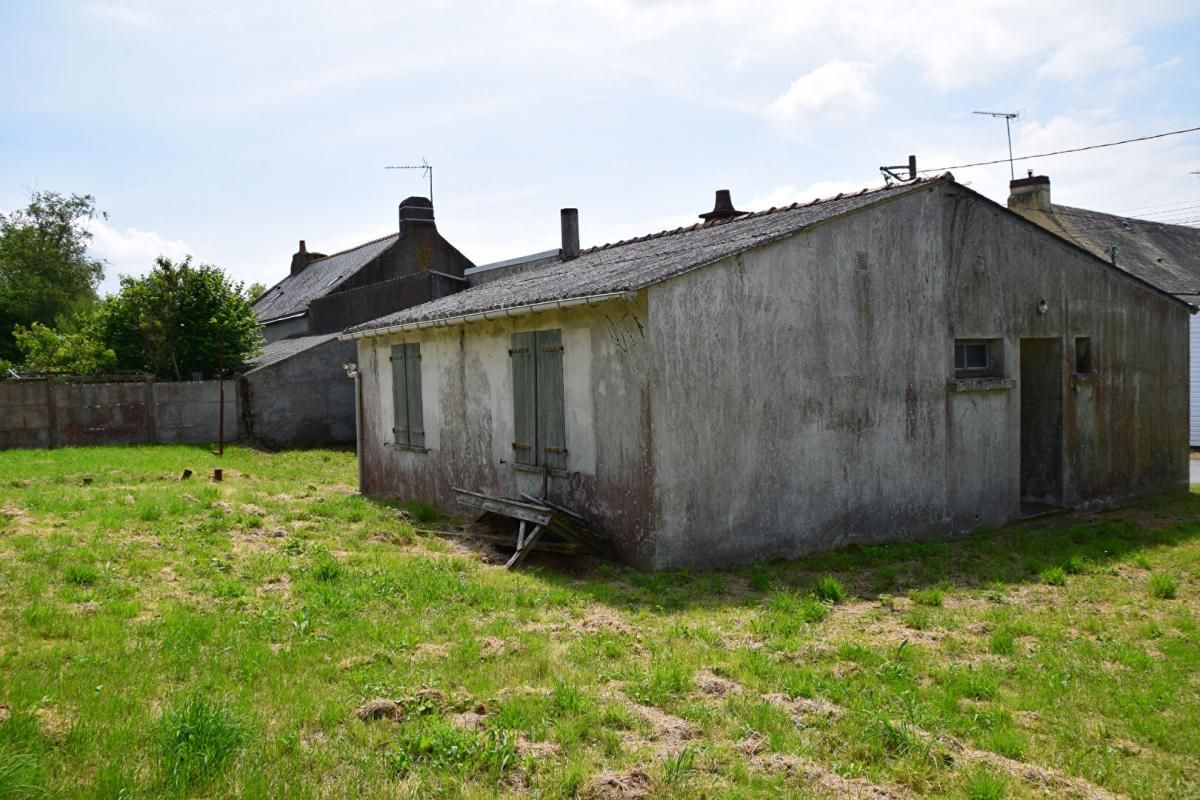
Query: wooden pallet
[536, 520]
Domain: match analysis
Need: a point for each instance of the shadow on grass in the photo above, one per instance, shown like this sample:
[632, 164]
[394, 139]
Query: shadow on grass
[1014, 554]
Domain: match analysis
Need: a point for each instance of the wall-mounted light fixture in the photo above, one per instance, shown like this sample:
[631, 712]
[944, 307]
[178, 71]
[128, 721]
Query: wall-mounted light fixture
[1042, 307]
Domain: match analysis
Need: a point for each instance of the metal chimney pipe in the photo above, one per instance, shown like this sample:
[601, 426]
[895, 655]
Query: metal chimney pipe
[570, 234]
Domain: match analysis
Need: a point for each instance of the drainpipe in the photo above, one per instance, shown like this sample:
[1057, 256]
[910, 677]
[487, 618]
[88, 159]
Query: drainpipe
[352, 372]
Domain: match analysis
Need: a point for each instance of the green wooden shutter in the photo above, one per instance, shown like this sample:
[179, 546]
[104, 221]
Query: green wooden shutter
[551, 416]
[412, 375]
[524, 378]
[399, 395]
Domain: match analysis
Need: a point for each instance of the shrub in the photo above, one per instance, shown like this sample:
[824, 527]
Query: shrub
[1054, 576]
[196, 738]
[1163, 587]
[829, 590]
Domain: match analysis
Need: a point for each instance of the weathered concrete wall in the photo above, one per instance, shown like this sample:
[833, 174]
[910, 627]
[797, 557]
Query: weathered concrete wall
[341, 309]
[305, 400]
[466, 379]
[798, 396]
[56, 413]
[1125, 426]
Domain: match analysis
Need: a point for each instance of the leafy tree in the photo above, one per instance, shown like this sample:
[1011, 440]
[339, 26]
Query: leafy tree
[255, 291]
[181, 319]
[46, 275]
[47, 350]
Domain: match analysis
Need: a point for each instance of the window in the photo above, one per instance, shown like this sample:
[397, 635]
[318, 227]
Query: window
[409, 428]
[977, 358]
[539, 420]
[1083, 355]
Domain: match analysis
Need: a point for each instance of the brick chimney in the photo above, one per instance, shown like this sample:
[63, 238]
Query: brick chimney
[1029, 194]
[416, 212]
[722, 208]
[303, 258]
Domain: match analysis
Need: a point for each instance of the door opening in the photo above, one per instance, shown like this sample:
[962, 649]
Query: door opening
[1041, 425]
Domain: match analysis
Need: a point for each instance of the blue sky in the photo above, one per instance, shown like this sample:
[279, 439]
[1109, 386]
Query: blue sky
[230, 131]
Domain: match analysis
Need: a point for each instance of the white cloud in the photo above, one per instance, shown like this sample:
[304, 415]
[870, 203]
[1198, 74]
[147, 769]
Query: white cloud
[1097, 51]
[122, 15]
[130, 251]
[834, 90]
[786, 195]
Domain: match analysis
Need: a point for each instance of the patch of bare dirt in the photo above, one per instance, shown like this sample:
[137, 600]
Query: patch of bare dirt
[468, 720]
[353, 662]
[753, 744]
[537, 749]
[491, 647]
[806, 710]
[1056, 783]
[53, 723]
[827, 780]
[311, 741]
[602, 620]
[631, 784]
[431, 650]
[710, 683]
[5, 713]
[83, 609]
[379, 708]
[253, 510]
[281, 585]
[221, 505]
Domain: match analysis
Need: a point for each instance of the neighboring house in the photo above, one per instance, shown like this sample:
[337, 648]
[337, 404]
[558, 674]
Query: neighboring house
[296, 393]
[905, 362]
[1167, 256]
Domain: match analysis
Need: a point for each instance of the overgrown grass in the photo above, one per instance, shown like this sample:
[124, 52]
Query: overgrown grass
[167, 637]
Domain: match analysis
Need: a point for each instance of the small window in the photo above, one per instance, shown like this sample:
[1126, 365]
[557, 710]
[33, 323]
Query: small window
[409, 427]
[1083, 355]
[977, 358]
[539, 419]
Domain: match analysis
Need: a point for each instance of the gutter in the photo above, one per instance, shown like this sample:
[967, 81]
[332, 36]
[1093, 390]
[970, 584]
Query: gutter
[494, 314]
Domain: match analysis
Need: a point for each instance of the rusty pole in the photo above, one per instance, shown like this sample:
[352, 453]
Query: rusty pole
[221, 396]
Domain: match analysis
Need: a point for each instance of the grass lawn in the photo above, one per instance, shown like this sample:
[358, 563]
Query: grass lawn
[276, 635]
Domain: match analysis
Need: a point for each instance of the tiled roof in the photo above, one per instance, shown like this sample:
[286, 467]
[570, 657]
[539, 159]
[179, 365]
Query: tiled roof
[1166, 256]
[293, 294]
[635, 263]
[282, 349]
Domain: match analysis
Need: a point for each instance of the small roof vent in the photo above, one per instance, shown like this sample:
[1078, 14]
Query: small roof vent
[723, 208]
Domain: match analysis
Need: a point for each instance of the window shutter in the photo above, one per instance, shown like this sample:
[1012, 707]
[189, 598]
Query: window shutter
[399, 394]
[412, 373]
[551, 417]
[524, 377]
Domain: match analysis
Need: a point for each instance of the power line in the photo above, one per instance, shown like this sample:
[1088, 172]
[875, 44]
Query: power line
[1062, 152]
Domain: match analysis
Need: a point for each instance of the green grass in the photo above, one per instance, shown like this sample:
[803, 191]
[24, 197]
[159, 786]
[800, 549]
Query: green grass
[167, 638]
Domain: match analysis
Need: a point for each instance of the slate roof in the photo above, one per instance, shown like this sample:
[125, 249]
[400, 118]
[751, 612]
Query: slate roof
[293, 294]
[282, 349]
[635, 263]
[1167, 256]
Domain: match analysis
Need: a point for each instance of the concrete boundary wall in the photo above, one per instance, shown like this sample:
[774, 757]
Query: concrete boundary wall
[63, 412]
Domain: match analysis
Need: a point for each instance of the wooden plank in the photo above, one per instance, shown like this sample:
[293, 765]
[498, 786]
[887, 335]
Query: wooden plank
[524, 378]
[412, 380]
[551, 413]
[564, 548]
[523, 551]
[566, 512]
[505, 507]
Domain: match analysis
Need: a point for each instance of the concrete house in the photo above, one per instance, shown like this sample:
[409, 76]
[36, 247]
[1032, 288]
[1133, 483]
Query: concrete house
[903, 362]
[1167, 256]
[296, 393]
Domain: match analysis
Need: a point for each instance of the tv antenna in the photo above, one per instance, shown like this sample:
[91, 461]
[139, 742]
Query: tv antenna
[901, 172]
[426, 169]
[1008, 118]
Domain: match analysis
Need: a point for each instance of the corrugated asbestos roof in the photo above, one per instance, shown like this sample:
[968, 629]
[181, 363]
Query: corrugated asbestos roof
[636, 263]
[1167, 256]
[293, 294]
[274, 352]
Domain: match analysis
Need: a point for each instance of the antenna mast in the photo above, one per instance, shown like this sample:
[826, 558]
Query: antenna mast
[425, 167]
[1008, 118]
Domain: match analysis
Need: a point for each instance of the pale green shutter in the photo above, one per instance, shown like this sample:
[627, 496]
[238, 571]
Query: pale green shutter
[412, 373]
[399, 394]
[524, 378]
[551, 418]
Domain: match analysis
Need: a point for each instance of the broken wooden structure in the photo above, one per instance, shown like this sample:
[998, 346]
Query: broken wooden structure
[540, 525]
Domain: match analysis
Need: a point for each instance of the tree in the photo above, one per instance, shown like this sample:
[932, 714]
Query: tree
[47, 350]
[255, 291]
[46, 275]
[181, 319]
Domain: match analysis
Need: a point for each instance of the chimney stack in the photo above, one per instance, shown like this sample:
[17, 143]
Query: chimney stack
[570, 234]
[1029, 194]
[722, 208]
[416, 212]
[302, 259]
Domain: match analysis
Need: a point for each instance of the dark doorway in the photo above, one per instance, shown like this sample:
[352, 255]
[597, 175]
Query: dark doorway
[1041, 425]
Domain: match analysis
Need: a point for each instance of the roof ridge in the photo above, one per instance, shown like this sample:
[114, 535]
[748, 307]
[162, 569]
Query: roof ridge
[351, 249]
[750, 215]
